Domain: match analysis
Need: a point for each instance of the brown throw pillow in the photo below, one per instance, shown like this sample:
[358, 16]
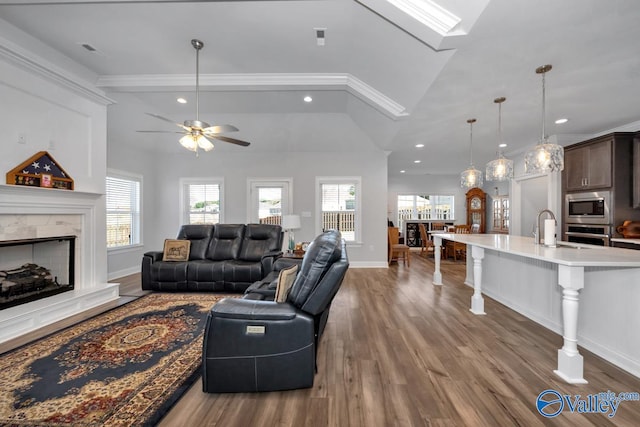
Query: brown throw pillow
[285, 280]
[176, 250]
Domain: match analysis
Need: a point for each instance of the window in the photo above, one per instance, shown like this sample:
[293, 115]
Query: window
[268, 200]
[123, 209]
[423, 206]
[201, 201]
[339, 206]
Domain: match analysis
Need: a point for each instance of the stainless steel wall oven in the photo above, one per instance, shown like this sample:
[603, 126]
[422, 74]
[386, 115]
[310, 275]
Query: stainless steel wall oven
[588, 218]
[591, 234]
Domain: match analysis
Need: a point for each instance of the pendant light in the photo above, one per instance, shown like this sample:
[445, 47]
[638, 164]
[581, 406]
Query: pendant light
[500, 169]
[471, 177]
[545, 157]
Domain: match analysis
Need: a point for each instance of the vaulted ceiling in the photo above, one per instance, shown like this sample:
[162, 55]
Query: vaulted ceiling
[390, 74]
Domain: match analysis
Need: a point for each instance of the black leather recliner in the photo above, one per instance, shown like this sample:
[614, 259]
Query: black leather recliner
[258, 345]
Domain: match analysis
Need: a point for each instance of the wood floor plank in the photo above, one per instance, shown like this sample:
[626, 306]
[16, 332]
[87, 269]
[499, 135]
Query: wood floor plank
[399, 351]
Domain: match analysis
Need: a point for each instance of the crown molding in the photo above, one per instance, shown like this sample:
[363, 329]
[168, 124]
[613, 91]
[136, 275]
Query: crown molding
[43, 68]
[257, 82]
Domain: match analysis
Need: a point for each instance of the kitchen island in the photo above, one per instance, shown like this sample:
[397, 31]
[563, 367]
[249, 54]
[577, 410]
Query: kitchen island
[583, 292]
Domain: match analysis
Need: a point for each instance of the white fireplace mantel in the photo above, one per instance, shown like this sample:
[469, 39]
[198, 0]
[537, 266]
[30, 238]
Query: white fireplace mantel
[30, 212]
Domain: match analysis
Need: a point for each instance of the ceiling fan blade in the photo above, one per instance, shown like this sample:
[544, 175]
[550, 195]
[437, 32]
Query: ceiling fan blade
[220, 129]
[231, 140]
[159, 131]
[170, 121]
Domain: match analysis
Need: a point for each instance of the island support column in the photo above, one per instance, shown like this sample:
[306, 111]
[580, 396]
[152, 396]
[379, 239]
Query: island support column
[437, 275]
[570, 361]
[477, 301]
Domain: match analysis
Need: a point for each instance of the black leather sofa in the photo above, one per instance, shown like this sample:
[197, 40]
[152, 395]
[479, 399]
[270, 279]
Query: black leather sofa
[252, 344]
[223, 257]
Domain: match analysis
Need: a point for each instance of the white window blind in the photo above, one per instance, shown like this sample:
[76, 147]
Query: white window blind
[123, 211]
[203, 204]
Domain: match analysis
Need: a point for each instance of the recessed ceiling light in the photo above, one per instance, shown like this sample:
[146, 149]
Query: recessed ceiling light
[402, 171]
[88, 47]
[308, 98]
[419, 145]
[417, 161]
[502, 145]
[181, 100]
[561, 121]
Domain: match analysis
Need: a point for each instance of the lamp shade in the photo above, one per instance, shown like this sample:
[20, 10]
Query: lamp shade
[545, 157]
[471, 178]
[189, 142]
[192, 141]
[500, 169]
[291, 222]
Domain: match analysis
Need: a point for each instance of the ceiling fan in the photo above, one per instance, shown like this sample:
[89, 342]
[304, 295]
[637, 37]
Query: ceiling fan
[198, 134]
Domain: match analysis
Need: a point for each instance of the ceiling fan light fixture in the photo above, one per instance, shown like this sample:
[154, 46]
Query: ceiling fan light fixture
[204, 143]
[189, 142]
[197, 133]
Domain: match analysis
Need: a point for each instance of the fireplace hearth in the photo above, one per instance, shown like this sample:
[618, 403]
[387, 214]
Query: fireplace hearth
[32, 269]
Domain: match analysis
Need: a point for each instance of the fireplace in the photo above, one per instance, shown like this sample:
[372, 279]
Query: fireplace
[48, 214]
[31, 269]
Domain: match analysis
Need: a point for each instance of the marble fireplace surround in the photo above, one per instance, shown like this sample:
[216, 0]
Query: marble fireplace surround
[27, 213]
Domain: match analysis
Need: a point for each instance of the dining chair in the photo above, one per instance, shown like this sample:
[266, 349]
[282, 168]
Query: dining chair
[460, 249]
[397, 251]
[438, 226]
[427, 243]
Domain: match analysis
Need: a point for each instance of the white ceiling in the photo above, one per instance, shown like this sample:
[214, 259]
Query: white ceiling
[378, 83]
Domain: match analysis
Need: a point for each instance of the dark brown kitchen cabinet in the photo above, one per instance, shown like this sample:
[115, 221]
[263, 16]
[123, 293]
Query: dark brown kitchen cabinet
[588, 166]
[604, 164]
[635, 202]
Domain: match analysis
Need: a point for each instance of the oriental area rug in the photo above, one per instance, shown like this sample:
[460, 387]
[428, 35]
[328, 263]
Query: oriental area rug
[125, 367]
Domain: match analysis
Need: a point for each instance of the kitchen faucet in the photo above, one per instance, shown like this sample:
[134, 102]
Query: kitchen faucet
[537, 236]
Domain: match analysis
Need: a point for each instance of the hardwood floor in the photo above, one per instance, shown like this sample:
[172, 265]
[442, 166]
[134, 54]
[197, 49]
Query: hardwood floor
[399, 351]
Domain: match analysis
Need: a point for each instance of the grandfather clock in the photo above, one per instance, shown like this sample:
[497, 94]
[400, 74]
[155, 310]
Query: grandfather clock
[477, 208]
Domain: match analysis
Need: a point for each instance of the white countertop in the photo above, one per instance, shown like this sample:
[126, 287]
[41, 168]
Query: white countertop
[565, 253]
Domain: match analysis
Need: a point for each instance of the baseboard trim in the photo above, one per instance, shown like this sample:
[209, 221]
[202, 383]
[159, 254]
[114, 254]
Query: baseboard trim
[126, 272]
[368, 264]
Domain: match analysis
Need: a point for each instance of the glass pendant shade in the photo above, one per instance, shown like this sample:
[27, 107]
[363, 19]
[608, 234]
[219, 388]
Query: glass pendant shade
[189, 142]
[545, 157]
[471, 177]
[500, 169]
[192, 142]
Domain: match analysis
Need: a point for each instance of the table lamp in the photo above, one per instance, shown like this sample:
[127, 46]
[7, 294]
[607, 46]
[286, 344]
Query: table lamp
[290, 223]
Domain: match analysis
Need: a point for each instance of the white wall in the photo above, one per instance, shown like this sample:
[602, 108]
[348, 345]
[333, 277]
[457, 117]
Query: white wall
[57, 111]
[302, 167]
[123, 157]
